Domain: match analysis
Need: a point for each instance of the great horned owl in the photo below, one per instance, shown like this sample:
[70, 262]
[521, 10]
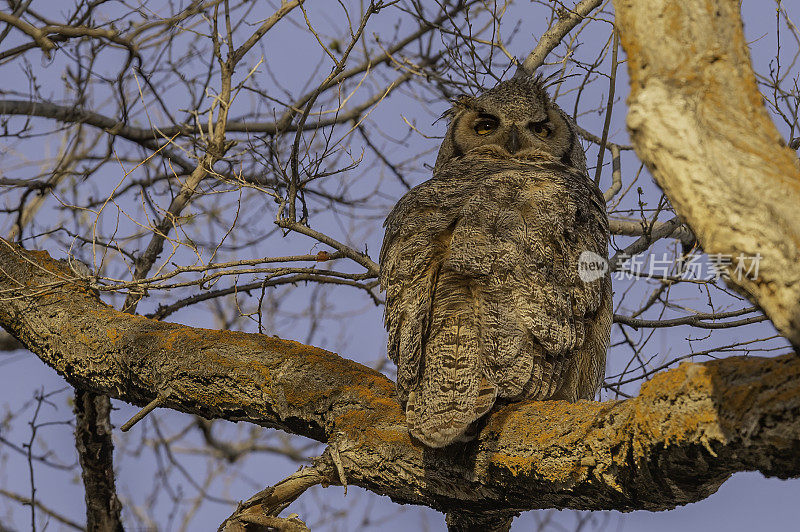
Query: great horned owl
[480, 266]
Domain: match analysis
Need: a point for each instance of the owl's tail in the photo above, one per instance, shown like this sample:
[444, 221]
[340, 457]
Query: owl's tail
[452, 392]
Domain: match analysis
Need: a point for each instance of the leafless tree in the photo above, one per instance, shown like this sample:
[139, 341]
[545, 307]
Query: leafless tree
[227, 164]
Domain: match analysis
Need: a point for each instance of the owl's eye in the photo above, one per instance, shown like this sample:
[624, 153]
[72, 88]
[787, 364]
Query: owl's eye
[540, 129]
[485, 125]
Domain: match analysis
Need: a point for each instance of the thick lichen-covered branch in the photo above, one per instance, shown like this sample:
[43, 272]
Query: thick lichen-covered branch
[697, 119]
[688, 430]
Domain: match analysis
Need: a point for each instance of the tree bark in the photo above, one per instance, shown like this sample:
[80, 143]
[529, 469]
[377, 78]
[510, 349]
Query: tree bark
[485, 522]
[698, 121]
[688, 430]
[96, 454]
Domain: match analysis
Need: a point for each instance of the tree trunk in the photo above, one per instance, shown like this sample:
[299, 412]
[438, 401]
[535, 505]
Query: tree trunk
[698, 121]
[96, 456]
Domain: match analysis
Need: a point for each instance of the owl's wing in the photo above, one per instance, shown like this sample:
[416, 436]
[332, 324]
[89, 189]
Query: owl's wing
[520, 240]
[586, 368]
[408, 271]
[434, 333]
[592, 304]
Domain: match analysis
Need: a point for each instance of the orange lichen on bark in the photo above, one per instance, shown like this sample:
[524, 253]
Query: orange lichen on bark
[46, 262]
[514, 465]
[552, 431]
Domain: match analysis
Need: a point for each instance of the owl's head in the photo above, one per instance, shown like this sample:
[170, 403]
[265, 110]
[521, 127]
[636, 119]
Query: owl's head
[515, 119]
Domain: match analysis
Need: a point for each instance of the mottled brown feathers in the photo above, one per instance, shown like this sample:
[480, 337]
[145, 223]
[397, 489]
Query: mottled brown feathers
[480, 268]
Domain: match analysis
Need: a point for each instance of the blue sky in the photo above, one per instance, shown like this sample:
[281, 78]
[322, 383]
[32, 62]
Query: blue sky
[354, 329]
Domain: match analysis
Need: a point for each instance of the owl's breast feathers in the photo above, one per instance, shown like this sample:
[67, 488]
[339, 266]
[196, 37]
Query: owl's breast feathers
[483, 296]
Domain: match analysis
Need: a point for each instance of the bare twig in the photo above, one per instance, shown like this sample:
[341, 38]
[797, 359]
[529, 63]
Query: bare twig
[44, 509]
[152, 405]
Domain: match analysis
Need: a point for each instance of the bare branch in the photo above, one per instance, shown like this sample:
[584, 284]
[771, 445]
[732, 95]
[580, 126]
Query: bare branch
[269, 502]
[39, 36]
[700, 320]
[44, 509]
[552, 37]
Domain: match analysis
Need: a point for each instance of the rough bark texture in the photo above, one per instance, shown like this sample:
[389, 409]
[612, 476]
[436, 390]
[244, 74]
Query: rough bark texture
[697, 119]
[485, 522]
[688, 430]
[96, 455]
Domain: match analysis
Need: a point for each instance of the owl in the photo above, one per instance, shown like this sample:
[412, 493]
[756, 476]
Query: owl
[480, 264]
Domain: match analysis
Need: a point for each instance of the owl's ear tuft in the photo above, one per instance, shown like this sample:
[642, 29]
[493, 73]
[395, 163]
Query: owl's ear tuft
[447, 114]
[464, 101]
[459, 103]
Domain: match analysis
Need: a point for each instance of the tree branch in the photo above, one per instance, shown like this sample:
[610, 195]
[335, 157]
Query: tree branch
[688, 430]
[698, 121]
[52, 513]
[39, 36]
[552, 37]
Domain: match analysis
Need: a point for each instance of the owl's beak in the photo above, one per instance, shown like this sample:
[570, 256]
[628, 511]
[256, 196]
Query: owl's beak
[512, 145]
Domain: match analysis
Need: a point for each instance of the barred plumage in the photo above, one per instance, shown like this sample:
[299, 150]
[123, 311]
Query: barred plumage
[480, 267]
